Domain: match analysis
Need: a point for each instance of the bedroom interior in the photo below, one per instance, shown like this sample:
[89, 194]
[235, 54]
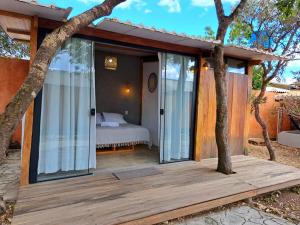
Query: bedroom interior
[126, 111]
[110, 107]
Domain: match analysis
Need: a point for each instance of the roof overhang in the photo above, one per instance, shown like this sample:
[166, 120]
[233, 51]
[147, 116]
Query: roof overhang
[15, 16]
[114, 25]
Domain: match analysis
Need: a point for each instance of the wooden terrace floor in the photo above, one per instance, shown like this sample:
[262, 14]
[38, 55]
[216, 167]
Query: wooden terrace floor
[181, 189]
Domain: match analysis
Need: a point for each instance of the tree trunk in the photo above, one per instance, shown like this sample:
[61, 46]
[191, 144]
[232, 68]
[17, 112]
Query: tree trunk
[37, 72]
[263, 125]
[221, 128]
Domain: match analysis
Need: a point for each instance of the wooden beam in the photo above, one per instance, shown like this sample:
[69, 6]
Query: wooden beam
[21, 40]
[24, 178]
[15, 15]
[18, 31]
[199, 132]
[248, 108]
[254, 62]
[126, 39]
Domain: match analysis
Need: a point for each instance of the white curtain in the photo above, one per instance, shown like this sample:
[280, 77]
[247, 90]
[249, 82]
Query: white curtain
[177, 86]
[66, 130]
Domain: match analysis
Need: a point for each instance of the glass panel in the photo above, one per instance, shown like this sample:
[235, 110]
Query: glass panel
[64, 148]
[178, 77]
[236, 66]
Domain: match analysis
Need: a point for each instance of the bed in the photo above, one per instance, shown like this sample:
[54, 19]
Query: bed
[125, 134]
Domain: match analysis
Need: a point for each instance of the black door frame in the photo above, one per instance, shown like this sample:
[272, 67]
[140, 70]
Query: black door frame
[34, 154]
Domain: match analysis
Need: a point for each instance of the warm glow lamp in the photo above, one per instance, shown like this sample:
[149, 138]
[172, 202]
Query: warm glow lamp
[110, 63]
[205, 66]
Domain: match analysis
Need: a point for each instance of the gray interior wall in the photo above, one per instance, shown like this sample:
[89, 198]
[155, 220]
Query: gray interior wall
[111, 85]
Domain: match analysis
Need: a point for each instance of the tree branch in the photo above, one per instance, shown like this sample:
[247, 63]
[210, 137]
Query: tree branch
[235, 12]
[219, 9]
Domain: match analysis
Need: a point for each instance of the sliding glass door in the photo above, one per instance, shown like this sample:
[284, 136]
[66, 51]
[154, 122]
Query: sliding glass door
[66, 145]
[177, 88]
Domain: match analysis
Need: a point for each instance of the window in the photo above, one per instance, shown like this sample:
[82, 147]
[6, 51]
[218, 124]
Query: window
[236, 66]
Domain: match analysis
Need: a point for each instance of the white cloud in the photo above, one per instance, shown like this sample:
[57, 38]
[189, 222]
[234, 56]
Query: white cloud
[129, 3]
[173, 6]
[147, 11]
[209, 3]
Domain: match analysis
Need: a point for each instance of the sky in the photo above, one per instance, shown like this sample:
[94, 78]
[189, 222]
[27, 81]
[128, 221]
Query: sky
[182, 16]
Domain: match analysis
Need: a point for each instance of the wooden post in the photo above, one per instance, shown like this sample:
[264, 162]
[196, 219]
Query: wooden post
[199, 114]
[248, 106]
[26, 150]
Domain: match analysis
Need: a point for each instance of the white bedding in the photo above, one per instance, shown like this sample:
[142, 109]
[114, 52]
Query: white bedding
[125, 134]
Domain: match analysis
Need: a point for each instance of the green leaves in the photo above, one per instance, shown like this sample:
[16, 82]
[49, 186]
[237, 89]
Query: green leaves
[240, 33]
[288, 8]
[257, 77]
[209, 33]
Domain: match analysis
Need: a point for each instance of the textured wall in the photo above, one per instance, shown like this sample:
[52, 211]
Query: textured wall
[12, 75]
[150, 103]
[110, 86]
[269, 114]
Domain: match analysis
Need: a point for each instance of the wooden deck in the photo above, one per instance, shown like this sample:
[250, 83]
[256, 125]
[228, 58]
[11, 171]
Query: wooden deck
[181, 189]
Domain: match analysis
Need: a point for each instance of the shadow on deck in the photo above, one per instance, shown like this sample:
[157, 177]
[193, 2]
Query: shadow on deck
[181, 189]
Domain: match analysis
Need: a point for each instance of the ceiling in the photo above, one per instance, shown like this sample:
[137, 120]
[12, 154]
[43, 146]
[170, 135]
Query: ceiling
[123, 50]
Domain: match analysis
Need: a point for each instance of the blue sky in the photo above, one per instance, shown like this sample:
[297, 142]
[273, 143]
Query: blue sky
[183, 16]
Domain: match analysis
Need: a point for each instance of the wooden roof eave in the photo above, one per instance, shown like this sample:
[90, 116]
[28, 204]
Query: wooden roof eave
[123, 38]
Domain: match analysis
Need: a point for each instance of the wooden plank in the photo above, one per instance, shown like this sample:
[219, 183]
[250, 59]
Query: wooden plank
[18, 31]
[189, 210]
[182, 189]
[248, 108]
[24, 177]
[14, 14]
[237, 102]
[199, 132]
[129, 174]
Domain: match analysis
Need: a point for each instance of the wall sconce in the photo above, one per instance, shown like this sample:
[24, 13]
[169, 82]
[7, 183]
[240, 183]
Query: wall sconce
[127, 89]
[110, 63]
[205, 66]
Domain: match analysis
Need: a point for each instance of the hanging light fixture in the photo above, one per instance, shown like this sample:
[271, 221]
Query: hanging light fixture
[110, 63]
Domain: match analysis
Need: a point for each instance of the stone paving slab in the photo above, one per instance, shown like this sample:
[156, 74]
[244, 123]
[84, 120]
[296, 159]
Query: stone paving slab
[241, 215]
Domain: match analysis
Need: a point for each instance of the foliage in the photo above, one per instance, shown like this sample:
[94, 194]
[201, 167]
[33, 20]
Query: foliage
[291, 105]
[271, 26]
[11, 48]
[253, 98]
[296, 75]
[288, 7]
[257, 77]
[240, 32]
[209, 33]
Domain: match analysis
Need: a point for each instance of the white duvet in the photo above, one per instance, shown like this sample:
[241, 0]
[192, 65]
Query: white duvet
[125, 134]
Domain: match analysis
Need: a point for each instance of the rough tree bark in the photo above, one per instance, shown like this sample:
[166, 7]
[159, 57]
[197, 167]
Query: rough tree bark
[259, 119]
[37, 72]
[221, 128]
[268, 75]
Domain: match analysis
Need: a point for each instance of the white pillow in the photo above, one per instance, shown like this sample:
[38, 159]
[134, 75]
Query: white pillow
[109, 124]
[113, 117]
[99, 118]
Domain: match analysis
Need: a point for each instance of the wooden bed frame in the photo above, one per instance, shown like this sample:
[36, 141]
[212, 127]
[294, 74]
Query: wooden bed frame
[115, 148]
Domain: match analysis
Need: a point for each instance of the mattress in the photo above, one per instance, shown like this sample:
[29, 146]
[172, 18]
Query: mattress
[125, 134]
